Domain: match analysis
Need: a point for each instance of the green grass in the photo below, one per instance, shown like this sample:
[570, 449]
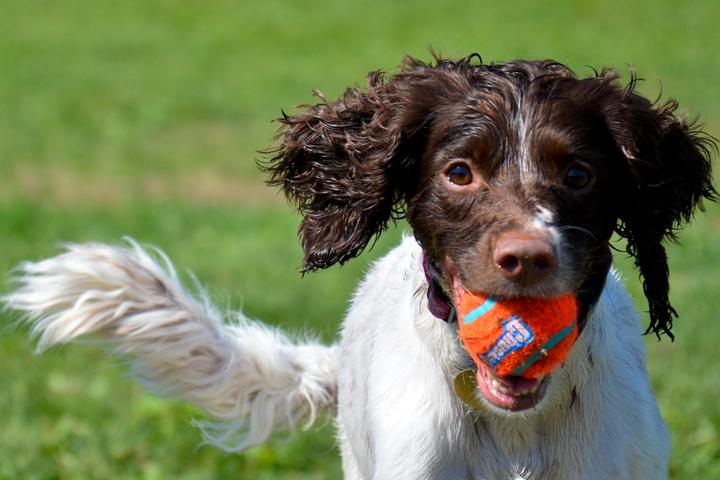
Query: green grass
[143, 118]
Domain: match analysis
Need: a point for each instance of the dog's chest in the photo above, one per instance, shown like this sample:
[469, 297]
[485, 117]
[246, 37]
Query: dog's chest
[399, 417]
[512, 449]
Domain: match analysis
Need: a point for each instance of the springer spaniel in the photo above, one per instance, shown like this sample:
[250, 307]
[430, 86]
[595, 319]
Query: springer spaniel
[513, 178]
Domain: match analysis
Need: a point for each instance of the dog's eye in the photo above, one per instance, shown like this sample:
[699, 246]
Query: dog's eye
[460, 174]
[577, 178]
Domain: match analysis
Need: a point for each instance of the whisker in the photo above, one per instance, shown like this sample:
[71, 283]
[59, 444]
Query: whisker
[579, 229]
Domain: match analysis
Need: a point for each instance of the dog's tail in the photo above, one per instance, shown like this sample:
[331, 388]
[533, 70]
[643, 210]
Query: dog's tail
[247, 375]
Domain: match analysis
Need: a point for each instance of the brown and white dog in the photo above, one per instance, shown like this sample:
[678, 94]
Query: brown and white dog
[513, 178]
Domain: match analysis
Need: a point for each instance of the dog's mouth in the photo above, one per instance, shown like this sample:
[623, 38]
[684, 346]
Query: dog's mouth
[510, 393]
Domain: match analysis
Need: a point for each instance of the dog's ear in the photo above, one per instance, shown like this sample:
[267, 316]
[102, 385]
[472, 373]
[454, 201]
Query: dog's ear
[667, 174]
[349, 165]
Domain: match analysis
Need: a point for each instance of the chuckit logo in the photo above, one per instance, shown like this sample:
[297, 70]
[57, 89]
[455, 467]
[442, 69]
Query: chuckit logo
[516, 334]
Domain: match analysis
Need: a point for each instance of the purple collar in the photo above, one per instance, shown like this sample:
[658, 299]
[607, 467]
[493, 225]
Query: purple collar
[439, 303]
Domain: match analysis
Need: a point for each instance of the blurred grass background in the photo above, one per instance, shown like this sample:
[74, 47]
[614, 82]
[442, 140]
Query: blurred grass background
[143, 118]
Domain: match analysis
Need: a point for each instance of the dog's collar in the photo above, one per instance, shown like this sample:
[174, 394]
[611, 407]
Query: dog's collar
[442, 307]
[439, 303]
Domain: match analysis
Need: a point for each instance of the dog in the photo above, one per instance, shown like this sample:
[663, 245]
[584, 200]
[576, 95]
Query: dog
[513, 177]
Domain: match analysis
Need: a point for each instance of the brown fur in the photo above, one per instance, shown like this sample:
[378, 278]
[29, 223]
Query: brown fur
[372, 156]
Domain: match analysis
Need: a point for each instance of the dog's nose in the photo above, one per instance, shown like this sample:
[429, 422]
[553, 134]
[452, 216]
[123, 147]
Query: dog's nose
[523, 257]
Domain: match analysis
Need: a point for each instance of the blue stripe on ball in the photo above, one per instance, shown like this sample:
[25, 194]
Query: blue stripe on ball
[478, 312]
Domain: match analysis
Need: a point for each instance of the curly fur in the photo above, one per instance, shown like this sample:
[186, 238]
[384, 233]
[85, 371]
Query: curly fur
[355, 164]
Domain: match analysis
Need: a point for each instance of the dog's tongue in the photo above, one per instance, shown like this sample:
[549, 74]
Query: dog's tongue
[519, 385]
[510, 392]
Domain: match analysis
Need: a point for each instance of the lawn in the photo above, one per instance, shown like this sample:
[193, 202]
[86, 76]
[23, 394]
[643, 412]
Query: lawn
[144, 118]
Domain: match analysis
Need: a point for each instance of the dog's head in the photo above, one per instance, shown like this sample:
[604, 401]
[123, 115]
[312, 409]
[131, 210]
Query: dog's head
[513, 176]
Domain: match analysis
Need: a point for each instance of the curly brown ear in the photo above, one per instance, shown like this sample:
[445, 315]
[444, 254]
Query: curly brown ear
[349, 165]
[668, 174]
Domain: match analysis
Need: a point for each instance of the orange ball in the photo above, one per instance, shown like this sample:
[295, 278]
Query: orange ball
[518, 336]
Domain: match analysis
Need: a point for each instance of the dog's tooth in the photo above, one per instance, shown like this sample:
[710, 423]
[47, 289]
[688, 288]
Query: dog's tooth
[501, 387]
[492, 387]
[497, 387]
[531, 389]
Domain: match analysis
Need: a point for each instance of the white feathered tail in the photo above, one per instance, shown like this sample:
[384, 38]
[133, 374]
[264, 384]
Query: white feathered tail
[249, 376]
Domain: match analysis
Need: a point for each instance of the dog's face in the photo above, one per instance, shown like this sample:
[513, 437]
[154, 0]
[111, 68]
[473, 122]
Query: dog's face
[513, 177]
[515, 195]
[515, 200]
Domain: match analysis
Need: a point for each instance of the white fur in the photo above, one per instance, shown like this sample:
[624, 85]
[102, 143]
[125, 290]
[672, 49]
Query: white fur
[398, 417]
[246, 374]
